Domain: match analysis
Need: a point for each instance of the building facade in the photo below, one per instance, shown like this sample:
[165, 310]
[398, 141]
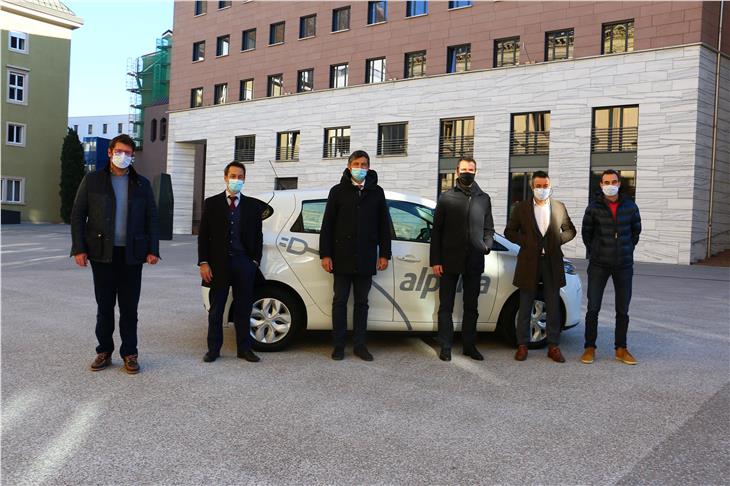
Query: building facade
[36, 53]
[568, 87]
[104, 126]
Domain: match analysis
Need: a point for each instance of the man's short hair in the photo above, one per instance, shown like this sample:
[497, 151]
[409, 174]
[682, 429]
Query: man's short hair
[356, 155]
[611, 171]
[235, 164]
[538, 173]
[124, 139]
[467, 159]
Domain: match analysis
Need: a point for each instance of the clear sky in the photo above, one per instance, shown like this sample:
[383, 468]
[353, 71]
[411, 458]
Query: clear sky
[113, 32]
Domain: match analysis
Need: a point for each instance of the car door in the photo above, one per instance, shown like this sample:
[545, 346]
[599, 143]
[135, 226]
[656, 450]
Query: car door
[299, 245]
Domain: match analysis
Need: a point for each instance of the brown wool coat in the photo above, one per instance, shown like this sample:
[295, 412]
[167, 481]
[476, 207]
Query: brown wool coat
[522, 229]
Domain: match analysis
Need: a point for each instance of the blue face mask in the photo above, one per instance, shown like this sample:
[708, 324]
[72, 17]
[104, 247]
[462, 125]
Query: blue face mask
[235, 185]
[359, 174]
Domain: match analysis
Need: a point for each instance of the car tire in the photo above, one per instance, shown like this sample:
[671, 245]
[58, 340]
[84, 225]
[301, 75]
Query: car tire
[277, 316]
[538, 330]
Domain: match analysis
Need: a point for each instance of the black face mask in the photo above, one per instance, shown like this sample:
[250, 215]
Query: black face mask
[466, 178]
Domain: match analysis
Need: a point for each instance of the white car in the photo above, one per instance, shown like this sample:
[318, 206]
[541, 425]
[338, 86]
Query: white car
[298, 292]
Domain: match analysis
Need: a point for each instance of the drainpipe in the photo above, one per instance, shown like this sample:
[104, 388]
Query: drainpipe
[714, 133]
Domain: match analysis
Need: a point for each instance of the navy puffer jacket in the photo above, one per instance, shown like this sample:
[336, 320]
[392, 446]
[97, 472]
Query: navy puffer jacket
[609, 241]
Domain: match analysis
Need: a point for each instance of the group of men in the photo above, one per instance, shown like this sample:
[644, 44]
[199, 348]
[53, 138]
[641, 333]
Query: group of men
[114, 226]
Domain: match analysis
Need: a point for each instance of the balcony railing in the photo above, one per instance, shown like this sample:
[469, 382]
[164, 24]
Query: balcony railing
[529, 143]
[622, 139]
[287, 153]
[338, 148]
[244, 155]
[456, 146]
[396, 146]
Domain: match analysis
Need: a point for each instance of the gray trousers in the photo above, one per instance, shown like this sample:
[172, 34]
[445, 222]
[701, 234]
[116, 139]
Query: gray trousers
[551, 295]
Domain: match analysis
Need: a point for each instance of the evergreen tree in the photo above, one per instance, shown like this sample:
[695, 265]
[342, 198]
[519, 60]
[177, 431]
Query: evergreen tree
[72, 171]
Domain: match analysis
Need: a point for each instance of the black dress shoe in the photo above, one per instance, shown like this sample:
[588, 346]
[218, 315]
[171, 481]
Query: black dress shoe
[363, 353]
[445, 354]
[249, 356]
[474, 354]
[338, 354]
[210, 357]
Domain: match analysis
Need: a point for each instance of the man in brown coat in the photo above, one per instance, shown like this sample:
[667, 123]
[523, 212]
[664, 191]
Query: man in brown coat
[540, 226]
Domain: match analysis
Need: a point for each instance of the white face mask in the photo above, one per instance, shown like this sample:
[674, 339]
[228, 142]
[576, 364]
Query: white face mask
[121, 160]
[542, 193]
[609, 190]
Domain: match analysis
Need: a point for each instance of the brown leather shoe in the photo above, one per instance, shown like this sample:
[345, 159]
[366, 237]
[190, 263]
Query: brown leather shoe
[102, 361]
[555, 354]
[521, 353]
[131, 365]
[588, 355]
[623, 355]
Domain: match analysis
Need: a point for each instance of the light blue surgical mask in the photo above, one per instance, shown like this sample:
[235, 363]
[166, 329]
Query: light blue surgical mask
[609, 190]
[359, 174]
[235, 185]
[542, 193]
[121, 160]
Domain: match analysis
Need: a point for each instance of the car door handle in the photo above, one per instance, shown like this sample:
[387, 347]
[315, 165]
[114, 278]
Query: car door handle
[408, 258]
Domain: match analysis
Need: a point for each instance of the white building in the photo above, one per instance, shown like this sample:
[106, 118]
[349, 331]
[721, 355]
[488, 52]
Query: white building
[104, 126]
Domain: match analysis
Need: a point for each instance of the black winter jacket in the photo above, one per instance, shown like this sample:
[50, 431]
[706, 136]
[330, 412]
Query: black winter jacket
[463, 229]
[356, 226]
[92, 218]
[611, 242]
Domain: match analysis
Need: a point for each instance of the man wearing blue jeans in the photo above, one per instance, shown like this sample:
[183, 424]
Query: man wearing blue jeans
[611, 228]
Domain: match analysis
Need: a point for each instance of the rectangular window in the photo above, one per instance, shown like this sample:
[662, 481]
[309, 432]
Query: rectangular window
[199, 51]
[248, 40]
[305, 80]
[416, 8]
[224, 4]
[415, 65]
[460, 4]
[201, 6]
[340, 19]
[245, 149]
[220, 94]
[530, 134]
[287, 146]
[559, 45]
[307, 26]
[458, 58]
[457, 138]
[375, 70]
[15, 134]
[393, 139]
[377, 12]
[76, 128]
[336, 142]
[17, 86]
[119, 127]
[618, 37]
[615, 129]
[89, 129]
[338, 75]
[196, 97]
[222, 44]
[12, 190]
[104, 128]
[246, 92]
[507, 52]
[276, 33]
[285, 183]
[18, 42]
[276, 85]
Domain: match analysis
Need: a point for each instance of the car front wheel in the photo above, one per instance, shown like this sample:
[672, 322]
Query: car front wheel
[538, 322]
[276, 316]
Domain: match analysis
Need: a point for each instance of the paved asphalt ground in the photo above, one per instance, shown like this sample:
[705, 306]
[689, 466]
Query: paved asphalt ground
[299, 417]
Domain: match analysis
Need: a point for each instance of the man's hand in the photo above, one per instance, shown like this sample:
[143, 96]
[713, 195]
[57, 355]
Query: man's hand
[152, 259]
[81, 259]
[206, 273]
[382, 263]
[438, 270]
[327, 264]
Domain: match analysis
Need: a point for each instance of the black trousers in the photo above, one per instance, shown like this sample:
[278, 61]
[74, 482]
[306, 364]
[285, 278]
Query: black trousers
[243, 276]
[551, 294]
[447, 295]
[361, 288]
[117, 282]
[622, 281]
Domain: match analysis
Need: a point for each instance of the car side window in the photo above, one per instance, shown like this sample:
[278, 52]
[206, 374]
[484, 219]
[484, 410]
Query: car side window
[411, 222]
[310, 219]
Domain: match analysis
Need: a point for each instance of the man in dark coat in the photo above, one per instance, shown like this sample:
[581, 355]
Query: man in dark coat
[610, 231]
[114, 226]
[463, 232]
[354, 241]
[540, 225]
[230, 245]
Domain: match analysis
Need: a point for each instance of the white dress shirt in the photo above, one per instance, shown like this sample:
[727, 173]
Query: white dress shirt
[542, 215]
[228, 197]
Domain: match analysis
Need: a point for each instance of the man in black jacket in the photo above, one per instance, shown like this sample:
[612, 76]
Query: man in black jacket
[230, 245]
[463, 232]
[611, 228]
[114, 226]
[353, 242]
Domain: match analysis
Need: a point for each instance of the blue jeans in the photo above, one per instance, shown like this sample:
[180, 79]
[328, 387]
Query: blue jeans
[597, 279]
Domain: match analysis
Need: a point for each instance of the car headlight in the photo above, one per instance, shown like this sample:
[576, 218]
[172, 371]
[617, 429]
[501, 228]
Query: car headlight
[568, 267]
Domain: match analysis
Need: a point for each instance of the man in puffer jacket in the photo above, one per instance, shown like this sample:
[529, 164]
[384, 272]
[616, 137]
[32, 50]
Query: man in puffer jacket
[611, 228]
